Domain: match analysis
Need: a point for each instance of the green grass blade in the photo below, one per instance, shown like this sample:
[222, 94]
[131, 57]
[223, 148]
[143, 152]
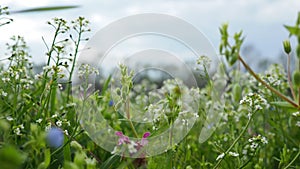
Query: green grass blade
[45, 9]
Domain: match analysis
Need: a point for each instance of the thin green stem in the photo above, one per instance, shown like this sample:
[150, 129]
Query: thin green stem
[235, 141]
[289, 76]
[127, 108]
[74, 62]
[294, 159]
[267, 85]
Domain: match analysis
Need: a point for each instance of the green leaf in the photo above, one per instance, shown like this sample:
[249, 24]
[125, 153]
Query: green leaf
[285, 105]
[46, 163]
[45, 9]
[11, 157]
[111, 161]
[106, 85]
[293, 30]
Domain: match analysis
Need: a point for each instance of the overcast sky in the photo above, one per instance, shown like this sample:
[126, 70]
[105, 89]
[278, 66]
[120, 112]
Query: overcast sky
[261, 20]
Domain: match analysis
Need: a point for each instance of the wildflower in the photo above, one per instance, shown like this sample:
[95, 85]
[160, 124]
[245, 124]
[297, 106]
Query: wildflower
[122, 139]
[253, 146]
[66, 132]
[60, 86]
[3, 93]
[132, 147]
[9, 118]
[55, 137]
[17, 131]
[233, 154]
[48, 126]
[59, 123]
[220, 156]
[296, 114]
[264, 140]
[47, 68]
[54, 116]
[144, 140]
[39, 120]
[71, 105]
[111, 103]
[38, 76]
[298, 124]
[255, 100]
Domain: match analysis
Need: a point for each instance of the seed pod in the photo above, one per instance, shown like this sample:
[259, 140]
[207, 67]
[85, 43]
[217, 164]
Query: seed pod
[287, 46]
[296, 78]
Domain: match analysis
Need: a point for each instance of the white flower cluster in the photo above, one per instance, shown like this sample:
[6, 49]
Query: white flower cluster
[255, 101]
[254, 144]
[86, 70]
[275, 75]
[204, 61]
[50, 70]
[17, 129]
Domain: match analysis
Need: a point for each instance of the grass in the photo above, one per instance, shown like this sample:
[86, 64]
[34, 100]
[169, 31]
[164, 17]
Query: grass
[259, 113]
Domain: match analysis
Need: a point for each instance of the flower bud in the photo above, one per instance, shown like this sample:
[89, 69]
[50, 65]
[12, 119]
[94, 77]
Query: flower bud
[296, 78]
[287, 46]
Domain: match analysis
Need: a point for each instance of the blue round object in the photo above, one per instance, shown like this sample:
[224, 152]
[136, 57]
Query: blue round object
[55, 137]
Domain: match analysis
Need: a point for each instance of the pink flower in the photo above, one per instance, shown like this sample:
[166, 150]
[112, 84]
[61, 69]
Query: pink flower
[122, 138]
[144, 140]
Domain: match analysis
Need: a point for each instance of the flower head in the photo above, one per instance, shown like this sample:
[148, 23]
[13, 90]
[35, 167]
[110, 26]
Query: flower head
[122, 138]
[144, 140]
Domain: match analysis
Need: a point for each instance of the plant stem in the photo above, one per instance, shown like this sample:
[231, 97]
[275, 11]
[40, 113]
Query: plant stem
[289, 76]
[294, 159]
[235, 141]
[267, 85]
[73, 64]
[127, 108]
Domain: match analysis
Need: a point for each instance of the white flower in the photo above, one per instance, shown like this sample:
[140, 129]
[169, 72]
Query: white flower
[54, 116]
[48, 127]
[3, 93]
[253, 145]
[131, 147]
[233, 154]
[59, 123]
[9, 118]
[220, 156]
[71, 105]
[47, 68]
[256, 100]
[60, 86]
[296, 114]
[17, 131]
[298, 124]
[264, 140]
[39, 120]
[38, 76]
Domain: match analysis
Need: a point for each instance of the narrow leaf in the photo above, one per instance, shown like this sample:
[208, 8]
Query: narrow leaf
[45, 9]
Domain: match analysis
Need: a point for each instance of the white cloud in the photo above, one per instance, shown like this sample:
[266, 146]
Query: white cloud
[206, 15]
